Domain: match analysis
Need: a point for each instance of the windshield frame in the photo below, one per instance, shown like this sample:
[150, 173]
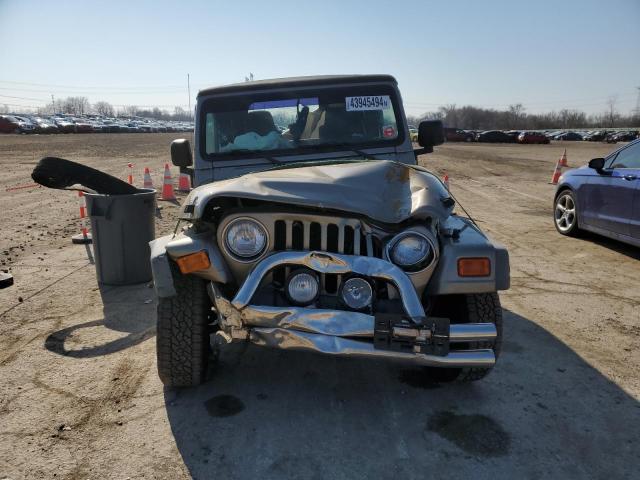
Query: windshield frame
[303, 92]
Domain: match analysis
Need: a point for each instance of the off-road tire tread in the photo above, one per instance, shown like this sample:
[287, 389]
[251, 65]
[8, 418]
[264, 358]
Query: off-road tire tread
[483, 308]
[182, 339]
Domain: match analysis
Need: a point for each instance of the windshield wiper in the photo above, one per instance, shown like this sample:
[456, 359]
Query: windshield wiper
[241, 151]
[365, 155]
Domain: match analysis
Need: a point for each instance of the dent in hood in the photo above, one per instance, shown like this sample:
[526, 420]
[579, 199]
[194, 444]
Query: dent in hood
[385, 191]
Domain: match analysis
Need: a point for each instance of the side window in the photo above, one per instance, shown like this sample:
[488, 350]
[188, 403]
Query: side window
[627, 158]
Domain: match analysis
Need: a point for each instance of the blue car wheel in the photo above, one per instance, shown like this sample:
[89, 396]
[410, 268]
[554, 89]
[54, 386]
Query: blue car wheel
[565, 213]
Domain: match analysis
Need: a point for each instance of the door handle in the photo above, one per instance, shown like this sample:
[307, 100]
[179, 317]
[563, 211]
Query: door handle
[630, 177]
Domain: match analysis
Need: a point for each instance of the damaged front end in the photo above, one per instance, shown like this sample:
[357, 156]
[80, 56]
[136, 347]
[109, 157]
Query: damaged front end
[408, 337]
[254, 239]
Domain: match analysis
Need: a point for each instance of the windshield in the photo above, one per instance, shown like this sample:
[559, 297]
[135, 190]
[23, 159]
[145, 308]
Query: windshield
[293, 122]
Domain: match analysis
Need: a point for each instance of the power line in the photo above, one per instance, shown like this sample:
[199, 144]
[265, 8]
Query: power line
[110, 87]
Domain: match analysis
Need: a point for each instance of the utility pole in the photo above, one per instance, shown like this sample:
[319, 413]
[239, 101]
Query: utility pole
[189, 93]
[638, 103]
[53, 104]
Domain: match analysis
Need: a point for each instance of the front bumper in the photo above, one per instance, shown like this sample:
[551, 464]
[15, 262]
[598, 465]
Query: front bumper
[411, 338]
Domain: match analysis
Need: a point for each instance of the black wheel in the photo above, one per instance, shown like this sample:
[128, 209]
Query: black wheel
[565, 213]
[470, 308]
[182, 339]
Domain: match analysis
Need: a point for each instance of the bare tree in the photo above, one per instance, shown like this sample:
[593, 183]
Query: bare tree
[103, 108]
[449, 114]
[515, 116]
[129, 111]
[75, 105]
[611, 115]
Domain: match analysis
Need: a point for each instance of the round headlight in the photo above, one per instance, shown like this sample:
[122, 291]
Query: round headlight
[356, 293]
[410, 251]
[246, 238]
[302, 287]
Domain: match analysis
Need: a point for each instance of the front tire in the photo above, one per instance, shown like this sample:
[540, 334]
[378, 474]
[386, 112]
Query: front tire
[565, 214]
[182, 339]
[470, 308]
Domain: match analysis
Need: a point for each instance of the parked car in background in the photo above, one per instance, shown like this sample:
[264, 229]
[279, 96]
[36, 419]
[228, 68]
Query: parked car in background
[533, 137]
[622, 136]
[457, 135]
[413, 134]
[9, 124]
[603, 197]
[65, 125]
[493, 136]
[568, 136]
[595, 136]
[25, 125]
[514, 134]
[83, 126]
[44, 125]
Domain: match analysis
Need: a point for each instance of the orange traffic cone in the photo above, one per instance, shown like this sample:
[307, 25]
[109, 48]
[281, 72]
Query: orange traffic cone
[184, 182]
[167, 185]
[563, 159]
[84, 236]
[445, 180]
[148, 182]
[557, 172]
[130, 176]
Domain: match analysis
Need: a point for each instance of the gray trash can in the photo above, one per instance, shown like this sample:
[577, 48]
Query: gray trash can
[122, 227]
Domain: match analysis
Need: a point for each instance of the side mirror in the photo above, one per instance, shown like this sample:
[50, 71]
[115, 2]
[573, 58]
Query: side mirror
[597, 164]
[181, 153]
[430, 133]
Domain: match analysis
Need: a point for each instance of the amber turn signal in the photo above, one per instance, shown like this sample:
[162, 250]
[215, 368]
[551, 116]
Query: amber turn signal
[474, 267]
[194, 262]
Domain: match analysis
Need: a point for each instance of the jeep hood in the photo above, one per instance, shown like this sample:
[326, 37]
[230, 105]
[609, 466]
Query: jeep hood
[384, 191]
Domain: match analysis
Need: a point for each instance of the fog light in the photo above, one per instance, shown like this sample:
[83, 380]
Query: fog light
[302, 287]
[356, 293]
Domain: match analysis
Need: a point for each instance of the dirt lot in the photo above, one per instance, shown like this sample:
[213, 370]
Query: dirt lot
[80, 397]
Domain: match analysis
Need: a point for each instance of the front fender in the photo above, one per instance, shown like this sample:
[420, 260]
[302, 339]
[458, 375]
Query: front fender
[471, 242]
[185, 243]
[160, 268]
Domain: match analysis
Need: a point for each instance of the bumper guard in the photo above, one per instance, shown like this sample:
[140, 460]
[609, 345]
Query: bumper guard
[412, 338]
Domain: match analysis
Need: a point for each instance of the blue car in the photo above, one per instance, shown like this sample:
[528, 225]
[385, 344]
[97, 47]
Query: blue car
[603, 197]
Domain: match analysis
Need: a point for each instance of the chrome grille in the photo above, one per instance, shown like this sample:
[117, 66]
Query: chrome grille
[345, 236]
[330, 235]
[304, 232]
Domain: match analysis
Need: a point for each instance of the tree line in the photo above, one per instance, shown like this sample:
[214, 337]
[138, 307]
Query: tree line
[515, 117]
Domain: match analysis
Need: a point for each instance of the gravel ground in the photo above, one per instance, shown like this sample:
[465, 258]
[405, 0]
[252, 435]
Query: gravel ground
[80, 397]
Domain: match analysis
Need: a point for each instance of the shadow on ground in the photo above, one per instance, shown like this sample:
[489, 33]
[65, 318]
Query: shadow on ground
[543, 413]
[119, 303]
[615, 245]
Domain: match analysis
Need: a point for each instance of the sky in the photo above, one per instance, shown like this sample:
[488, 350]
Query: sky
[547, 55]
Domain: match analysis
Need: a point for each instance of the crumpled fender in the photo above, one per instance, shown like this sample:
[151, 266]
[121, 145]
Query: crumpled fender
[160, 268]
[185, 243]
[471, 242]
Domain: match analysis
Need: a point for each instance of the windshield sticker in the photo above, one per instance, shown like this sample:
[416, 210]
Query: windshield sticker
[388, 131]
[372, 102]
